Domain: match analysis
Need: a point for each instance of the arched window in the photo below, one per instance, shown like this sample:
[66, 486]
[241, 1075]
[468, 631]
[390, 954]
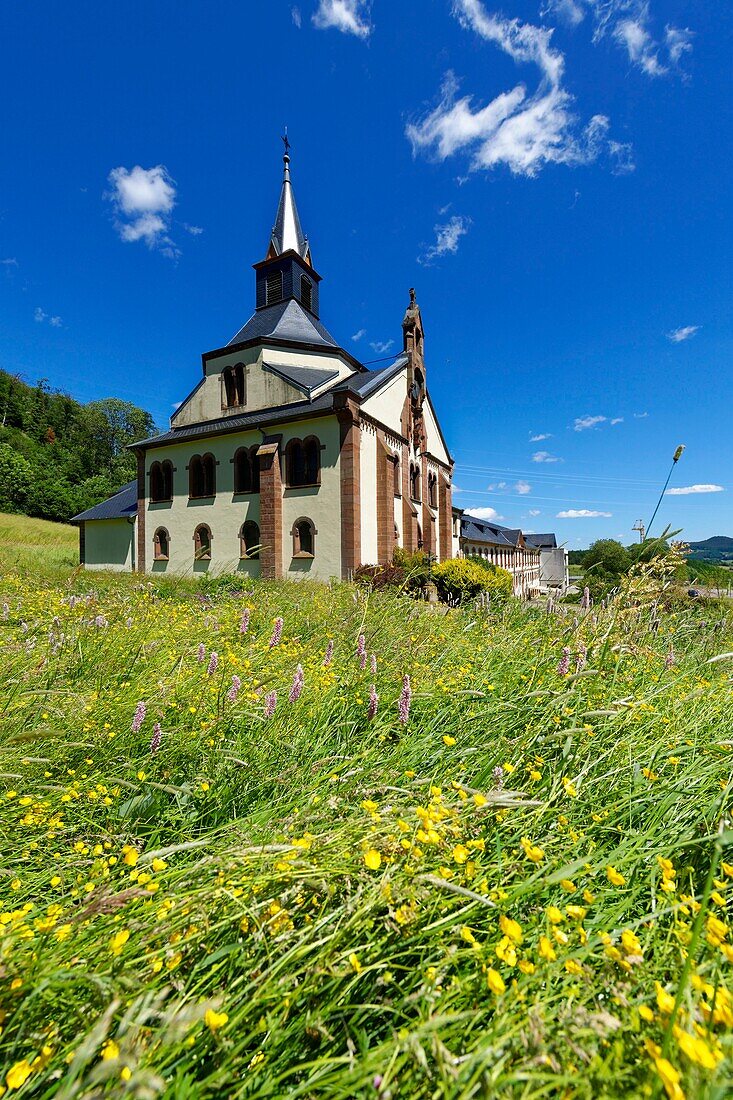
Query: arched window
[397, 476]
[202, 476]
[246, 470]
[202, 543]
[304, 538]
[156, 482]
[312, 460]
[167, 468]
[274, 288]
[432, 490]
[414, 481]
[249, 540]
[161, 543]
[306, 291]
[419, 537]
[234, 386]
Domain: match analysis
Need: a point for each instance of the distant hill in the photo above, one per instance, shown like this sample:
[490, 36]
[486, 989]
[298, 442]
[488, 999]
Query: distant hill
[719, 548]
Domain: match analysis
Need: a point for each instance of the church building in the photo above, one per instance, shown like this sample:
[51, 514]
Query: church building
[289, 458]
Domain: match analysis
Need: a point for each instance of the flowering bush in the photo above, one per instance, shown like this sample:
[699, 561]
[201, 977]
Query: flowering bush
[461, 579]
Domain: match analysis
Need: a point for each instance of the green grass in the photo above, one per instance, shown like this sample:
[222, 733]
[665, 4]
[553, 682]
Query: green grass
[473, 903]
[37, 544]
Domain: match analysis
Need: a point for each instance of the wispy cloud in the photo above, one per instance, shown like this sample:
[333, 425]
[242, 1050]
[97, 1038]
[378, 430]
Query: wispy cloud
[616, 420]
[534, 511]
[583, 513]
[143, 199]
[380, 346]
[483, 513]
[640, 416]
[585, 423]
[540, 437]
[522, 487]
[358, 335]
[9, 262]
[194, 230]
[687, 489]
[296, 17]
[545, 456]
[628, 23]
[523, 131]
[347, 16]
[42, 318]
[678, 335]
[447, 237]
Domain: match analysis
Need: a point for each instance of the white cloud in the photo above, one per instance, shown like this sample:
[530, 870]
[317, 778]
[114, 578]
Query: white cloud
[583, 423]
[296, 17]
[569, 10]
[677, 335]
[687, 489]
[540, 437]
[522, 487]
[534, 511]
[194, 230]
[358, 335]
[617, 420]
[640, 416]
[496, 486]
[545, 456]
[10, 262]
[348, 16]
[143, 199]
[582, 513]
[380, 346]
[42, 318]
[483, 513]
[640, 46]
[447, 237]
[627, 22]
[524, 132]
[678, 41]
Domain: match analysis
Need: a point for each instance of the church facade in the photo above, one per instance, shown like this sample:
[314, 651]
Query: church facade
[289, 458]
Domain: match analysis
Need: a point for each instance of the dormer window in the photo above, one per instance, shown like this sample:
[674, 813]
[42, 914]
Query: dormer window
[306, 292]
[274, 288]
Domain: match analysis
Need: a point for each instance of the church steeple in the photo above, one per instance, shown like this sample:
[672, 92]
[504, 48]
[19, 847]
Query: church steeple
[287, 233]
[286, 273]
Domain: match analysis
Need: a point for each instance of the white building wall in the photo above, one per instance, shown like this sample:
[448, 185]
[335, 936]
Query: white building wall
[109, 544]
[368, 495]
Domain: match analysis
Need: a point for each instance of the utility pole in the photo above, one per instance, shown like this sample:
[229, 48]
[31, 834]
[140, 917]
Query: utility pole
[639, 526]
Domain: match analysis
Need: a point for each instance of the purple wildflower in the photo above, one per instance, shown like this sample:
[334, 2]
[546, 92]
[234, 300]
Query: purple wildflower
[100, 621]
[373, 663]
[128, 623]
[498, 774]
[244, 624]
[328, 655]
[213, 662]
[580, 658]
[564, 667]
[585, 602]
[139, 717]
[270, 704]
[72, 602]
[361, 648]
[373, 702]
[277, 632]
[234, 689]
[6, 611]
[669, 659]
[297, 685]
[404, 703]
[156, 738]
[201, 653]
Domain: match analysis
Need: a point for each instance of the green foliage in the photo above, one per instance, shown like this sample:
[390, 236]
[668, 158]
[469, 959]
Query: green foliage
[462, 579]
[416, 567]
[305, 904]
[69, 456]
[375, 577]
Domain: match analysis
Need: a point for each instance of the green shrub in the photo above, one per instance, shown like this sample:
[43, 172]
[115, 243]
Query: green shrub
[375, 577]
[416, 567]
[461, 579]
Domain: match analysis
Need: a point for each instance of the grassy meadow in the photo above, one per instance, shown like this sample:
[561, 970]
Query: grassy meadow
[299, 841]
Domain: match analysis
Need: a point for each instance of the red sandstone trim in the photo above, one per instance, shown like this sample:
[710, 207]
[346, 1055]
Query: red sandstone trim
[271, 512]
[140, 562]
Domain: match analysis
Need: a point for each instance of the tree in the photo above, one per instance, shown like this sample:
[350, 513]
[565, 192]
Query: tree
[608, 556]
[16, 478]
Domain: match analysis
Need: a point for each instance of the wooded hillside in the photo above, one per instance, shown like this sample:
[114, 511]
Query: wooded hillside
[57, 456]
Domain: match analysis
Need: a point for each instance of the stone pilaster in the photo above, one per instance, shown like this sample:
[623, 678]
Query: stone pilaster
[445, 518]
[271, 512]
[350, 468]
[385, 501]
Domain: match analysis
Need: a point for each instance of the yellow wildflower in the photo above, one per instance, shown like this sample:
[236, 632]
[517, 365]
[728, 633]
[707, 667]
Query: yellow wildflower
[118, 941]
[110, 1050]
[615, 877]
[215, 1020]
[18, 1074]
[511, 928]
[573, 967]
[372, 859]
[495, 981]
[448, 740]
[460, 853]
[531, 851]
[547, 951]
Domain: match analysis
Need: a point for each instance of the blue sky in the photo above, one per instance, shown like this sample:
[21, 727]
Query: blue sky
[553, 176]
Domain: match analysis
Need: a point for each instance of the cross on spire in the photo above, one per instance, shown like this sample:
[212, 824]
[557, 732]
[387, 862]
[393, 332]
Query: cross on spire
[286, 142]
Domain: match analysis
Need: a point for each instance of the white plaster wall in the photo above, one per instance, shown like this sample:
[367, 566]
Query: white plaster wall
[322, 505]
[434, 442]
[264, 390]
[368, 462]
[386, 404]
[109, 544]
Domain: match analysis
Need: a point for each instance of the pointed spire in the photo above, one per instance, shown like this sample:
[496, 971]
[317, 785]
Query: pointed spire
[287, 233]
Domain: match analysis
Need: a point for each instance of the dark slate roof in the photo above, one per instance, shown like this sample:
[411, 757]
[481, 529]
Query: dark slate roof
[544, 542]
[306, 379]
[285, 321]
[120, 506]
[478, 530]
[366, 384]
[256, 419]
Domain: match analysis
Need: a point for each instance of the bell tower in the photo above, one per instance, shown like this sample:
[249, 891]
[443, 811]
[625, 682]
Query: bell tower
[413, 337]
